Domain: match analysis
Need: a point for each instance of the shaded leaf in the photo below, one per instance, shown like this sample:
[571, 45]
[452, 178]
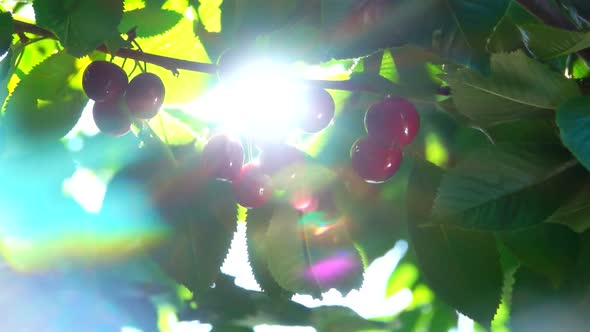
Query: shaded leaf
[336, 319]
[548, 249]
[477, 18]
[573, 120]
[547, 42]
[506, 36]
[496, 189]
[473, 276]
[538, 305]
[227, 303]
[575, 213]
[201, 214]
[6, 30]
[258, 221]
[81, 25]
[306, 258]
[517, 87]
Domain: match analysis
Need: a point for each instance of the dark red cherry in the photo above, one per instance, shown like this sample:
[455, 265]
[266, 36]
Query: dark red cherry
[103, 81]
[276, 157]
[223, 157]
[252, 188]
[145, 95]
[392, 121]
[373, 162]
[318, 111]
[111, 118]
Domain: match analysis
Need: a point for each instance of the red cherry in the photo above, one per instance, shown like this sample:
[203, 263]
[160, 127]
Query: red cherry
[392, 121]
[111, 118]
[223, 157]
[318, 112]
[276, 157]
[373, 162]
[104, 81]
[252, 187]
[145, 95]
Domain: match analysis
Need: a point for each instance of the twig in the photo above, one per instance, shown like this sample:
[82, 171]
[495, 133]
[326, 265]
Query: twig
[174, 64]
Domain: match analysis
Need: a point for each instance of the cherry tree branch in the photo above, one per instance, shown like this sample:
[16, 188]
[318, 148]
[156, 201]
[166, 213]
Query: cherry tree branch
[169, 63]
[175, 64]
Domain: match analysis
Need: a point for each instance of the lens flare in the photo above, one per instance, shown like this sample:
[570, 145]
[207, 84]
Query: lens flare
[333, 269]
[262, 101]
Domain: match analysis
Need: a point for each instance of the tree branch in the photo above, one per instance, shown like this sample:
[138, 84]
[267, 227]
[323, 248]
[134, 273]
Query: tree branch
[172, 64]
[175, 64]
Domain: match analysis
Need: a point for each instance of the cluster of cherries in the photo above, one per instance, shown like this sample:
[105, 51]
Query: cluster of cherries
[116, 100]
[391, 124]
[223, 155]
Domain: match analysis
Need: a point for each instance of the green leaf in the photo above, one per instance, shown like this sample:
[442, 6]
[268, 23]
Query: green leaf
[170, 130]
[257, 224]
[546, 42]
[537, 305]
[548, 249]
[576, 212]
[500, 189]
[6, 30]
[334, 11]
[573, 119]
[404, 276]
[518, 87]
[81, 25]
[209, 15]
[310, 253]
[149, 21]
[506, 36]
[477, 18]
[342, 319]
[115, 43]
[48, 102]
[461, 266]
[202, 215]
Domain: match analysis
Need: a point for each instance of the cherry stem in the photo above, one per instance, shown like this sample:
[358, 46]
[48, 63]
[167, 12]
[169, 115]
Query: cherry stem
[174, 64]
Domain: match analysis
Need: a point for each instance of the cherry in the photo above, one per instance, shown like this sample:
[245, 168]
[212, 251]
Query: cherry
[318, 112]
[145, 95]
[223, 157]
[373, 162]
[104, 81]
[392, 121]
[111, 118]
[443, 90]
[252, 187]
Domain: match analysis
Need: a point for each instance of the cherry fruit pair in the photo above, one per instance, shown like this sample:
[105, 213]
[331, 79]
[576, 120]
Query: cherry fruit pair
[223, 158]
[116, 99]
[391, 124]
